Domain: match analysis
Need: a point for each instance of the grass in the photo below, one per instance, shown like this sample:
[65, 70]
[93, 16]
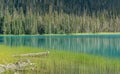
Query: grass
[60, 62]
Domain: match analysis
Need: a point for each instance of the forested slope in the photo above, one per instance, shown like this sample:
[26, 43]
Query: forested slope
[59, 16]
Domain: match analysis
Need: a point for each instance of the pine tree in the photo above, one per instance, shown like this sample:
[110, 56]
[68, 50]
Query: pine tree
[7, 22]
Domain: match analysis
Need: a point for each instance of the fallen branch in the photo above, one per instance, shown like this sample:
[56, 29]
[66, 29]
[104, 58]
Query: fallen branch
[32, 54]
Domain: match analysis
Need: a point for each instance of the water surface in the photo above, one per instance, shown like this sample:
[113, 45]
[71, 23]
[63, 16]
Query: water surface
[103, 45]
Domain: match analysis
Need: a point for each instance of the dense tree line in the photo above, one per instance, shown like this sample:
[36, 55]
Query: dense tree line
[67, 6]
[59, 16]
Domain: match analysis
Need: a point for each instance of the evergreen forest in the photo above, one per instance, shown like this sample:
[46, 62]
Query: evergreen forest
[59, 16]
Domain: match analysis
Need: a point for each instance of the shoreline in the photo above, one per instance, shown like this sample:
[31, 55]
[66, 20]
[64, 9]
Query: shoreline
[30, 50]
[100, 33]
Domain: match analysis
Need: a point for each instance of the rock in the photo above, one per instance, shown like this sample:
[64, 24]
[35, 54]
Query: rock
[17, 66]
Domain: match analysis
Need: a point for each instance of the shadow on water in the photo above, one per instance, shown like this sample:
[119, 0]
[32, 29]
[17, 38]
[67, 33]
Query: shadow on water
[104, 45]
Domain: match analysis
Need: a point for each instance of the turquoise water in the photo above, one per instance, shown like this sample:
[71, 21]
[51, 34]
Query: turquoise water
[103, 45]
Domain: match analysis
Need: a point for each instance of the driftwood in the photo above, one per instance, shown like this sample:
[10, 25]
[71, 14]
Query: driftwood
[15, 66]
[32, 54]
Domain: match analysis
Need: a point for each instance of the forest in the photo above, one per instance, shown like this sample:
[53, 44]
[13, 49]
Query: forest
[59, 16]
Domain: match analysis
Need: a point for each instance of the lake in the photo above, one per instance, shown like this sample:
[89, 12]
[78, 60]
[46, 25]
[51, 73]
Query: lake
[102, 45]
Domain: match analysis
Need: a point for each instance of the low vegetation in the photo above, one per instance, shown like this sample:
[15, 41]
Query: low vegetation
[60, 62]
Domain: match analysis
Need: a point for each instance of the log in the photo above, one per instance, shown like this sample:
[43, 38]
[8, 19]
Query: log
[32, 54]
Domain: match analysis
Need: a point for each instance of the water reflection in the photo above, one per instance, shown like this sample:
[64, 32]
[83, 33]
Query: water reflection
[105, 46]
